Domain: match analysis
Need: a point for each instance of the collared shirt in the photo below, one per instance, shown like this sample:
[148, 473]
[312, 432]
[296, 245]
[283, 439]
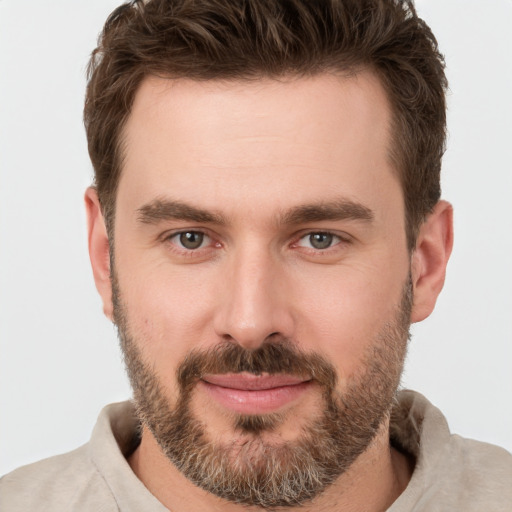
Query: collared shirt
[451, 473]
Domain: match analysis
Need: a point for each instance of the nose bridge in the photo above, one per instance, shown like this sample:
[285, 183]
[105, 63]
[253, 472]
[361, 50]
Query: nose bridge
[252, 306]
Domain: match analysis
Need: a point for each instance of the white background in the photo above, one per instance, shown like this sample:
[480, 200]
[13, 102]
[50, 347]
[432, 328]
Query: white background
[59, 361]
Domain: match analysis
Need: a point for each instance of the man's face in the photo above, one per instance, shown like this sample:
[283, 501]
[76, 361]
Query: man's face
[261, 276]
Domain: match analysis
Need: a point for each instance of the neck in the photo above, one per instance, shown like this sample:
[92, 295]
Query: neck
[372, 483]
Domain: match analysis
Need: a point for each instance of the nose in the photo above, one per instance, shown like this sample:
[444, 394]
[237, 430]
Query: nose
[253, 301]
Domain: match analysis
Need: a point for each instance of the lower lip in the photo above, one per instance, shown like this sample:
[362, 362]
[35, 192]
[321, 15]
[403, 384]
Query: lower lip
[261, 401]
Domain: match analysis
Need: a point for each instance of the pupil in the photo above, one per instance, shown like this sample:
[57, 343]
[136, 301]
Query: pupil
[321, 240]
[191, 240]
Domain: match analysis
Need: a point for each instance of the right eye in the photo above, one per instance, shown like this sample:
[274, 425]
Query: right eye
[190, 240]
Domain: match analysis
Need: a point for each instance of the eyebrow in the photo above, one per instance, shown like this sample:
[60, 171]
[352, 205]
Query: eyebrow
[163, 209]
[343, 209]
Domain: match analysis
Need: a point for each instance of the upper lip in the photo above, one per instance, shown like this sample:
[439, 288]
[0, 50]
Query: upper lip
[251, 382]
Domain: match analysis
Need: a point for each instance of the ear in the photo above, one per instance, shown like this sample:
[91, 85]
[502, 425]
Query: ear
[99, 249]
[429, 259]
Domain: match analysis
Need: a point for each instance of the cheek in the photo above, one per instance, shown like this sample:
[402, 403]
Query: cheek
[344, 313]
[168, 312]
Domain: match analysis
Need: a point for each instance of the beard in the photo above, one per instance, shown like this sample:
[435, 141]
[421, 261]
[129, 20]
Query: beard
[250, 469]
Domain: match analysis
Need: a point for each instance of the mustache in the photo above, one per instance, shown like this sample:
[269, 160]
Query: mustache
[273, 357]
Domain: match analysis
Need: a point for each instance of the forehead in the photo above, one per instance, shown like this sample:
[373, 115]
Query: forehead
[296, 138]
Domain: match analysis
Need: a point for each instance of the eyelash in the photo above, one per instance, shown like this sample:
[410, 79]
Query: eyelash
[335, 240]
[187, 251]
[338, 239]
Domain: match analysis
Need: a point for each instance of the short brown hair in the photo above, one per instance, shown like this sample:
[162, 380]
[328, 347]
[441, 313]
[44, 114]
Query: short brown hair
[251, 39]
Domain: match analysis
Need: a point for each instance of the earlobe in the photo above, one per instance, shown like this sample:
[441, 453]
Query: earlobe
[430, 258]
[99, 249]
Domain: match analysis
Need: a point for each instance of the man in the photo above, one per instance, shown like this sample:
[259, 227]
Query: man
[265, 224]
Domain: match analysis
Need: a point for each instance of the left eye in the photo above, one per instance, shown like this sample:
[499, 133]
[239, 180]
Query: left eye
[191, 240]
[319, 240]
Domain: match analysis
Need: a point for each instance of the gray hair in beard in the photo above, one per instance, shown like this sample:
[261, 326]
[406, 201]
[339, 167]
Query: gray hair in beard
[250, 470]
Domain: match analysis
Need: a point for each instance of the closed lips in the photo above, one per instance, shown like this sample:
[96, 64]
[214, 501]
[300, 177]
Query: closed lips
[251, 382]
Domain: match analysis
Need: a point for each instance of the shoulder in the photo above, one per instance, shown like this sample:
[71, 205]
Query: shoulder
[469, 475]
[451, 472]
[483, 471]
[93, 478]
[64, 482]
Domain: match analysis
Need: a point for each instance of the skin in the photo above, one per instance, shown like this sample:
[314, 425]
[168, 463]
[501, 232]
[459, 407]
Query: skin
[249, 153]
